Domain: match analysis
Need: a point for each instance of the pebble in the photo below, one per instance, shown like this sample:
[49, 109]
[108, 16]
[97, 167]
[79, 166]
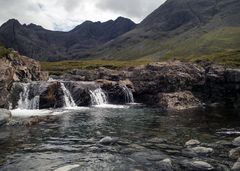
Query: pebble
[192, 143]
[202, 150]
[197, 165]
[67, 168]
[108, 140]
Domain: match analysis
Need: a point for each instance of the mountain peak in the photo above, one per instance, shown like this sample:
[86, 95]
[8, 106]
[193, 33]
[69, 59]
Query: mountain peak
[11, 22]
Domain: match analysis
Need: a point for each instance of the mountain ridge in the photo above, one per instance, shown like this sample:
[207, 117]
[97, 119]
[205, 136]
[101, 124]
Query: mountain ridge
[42, 44]
[176, 29]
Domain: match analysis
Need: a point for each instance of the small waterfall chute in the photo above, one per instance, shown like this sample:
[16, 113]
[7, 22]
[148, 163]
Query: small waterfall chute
[68, 99]
[24, 102]
[98, 97]
[128, 94]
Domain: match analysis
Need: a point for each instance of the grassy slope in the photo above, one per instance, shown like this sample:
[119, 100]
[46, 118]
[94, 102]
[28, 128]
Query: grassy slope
[65, 66]
[183, 46]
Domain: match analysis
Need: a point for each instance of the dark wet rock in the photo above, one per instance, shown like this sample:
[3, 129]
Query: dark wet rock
[196, 165]
[165, 165]
[52, 97]
[236, 142]
[192, 142]
[108, 140]
[234, 153]
[236, 166]
[80, 92]
[168, 146]
[5, 116]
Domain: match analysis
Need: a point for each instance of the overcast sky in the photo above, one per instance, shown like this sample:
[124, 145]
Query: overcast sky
[65, 14]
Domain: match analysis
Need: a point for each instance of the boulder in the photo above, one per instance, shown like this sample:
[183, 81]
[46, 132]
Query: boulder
[178, 100]
[165, 164]
[5, 115]
[52, 97]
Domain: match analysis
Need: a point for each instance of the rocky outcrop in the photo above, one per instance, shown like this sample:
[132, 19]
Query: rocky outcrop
[178, 100]
[174, 84]
[16, 68]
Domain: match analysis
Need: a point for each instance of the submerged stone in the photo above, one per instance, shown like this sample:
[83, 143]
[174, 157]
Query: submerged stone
[108, 140]
[234, 153]
[192, 143]
[67, 168]
[236, 142]
[236, 166]
[202, 150]
[165, 165]
[197, 165]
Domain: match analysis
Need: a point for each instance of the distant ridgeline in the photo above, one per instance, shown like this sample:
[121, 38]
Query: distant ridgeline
[186, 29]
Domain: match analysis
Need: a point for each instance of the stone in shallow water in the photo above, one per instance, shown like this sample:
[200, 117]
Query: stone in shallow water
[234, 153]
[236, 166]
[165, 165]
[197, 165]
[202, 150]
[192, 143]
[157, 140]
[67, 168]
[108, 140]
[236, 142]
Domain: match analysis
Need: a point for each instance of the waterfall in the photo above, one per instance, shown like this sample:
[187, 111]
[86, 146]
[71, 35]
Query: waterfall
[24, 101]
[98, 97]
[68, 99]
[128, 94]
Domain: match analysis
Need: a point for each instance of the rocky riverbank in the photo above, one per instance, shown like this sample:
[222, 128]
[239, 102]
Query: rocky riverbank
[17, 68]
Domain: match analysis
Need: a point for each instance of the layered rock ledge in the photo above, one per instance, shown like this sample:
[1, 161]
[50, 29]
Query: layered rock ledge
[171, 85]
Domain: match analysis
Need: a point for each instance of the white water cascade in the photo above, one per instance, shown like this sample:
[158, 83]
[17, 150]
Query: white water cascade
[128, 94]
[98, 97]
[24, 101]
[68, 99]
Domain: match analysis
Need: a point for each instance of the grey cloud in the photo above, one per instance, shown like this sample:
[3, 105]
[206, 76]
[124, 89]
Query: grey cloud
[132, 8]
[59, 14]
[70, 5]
